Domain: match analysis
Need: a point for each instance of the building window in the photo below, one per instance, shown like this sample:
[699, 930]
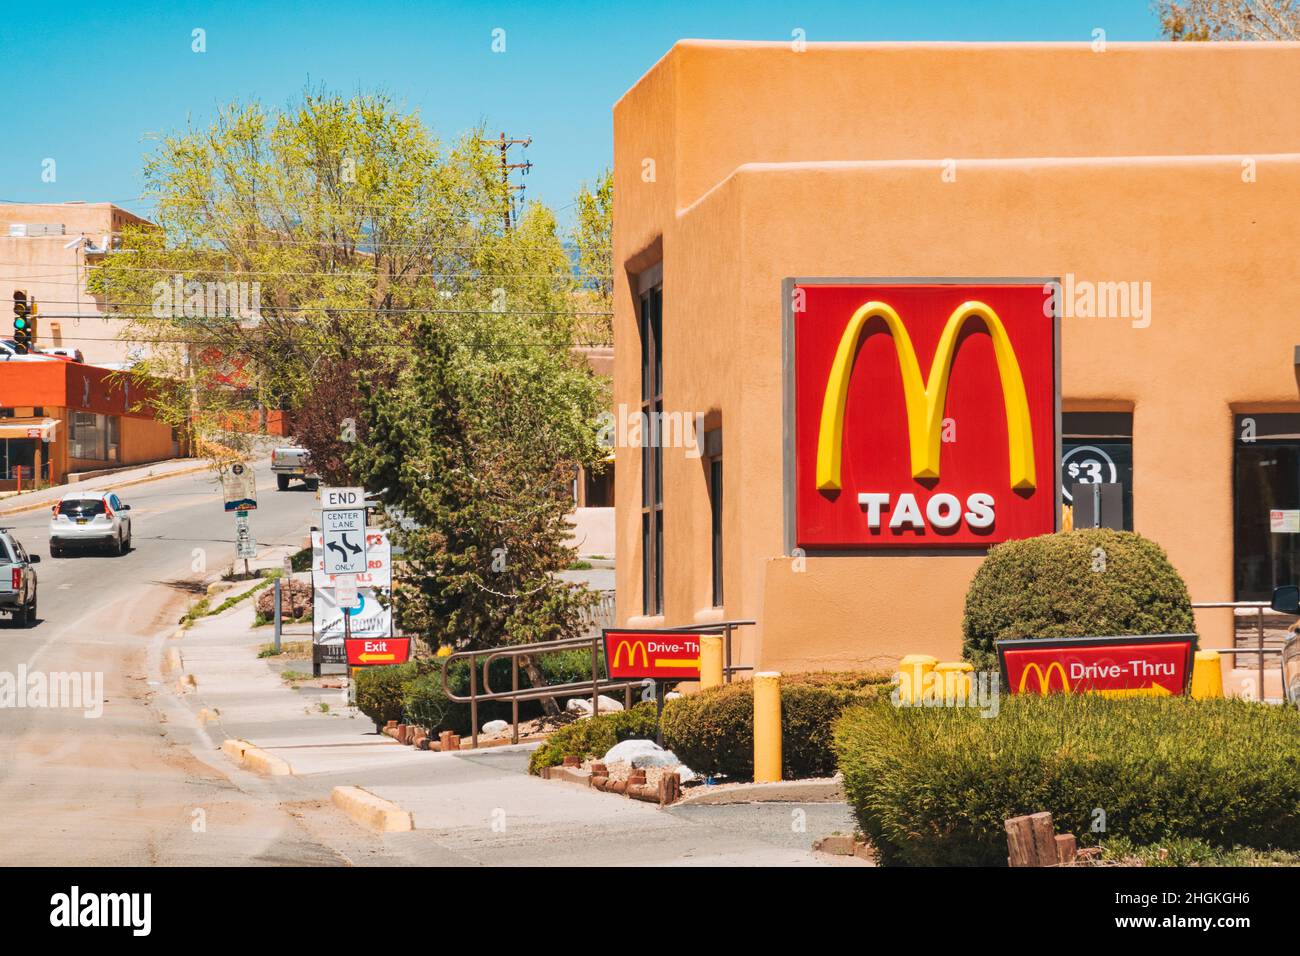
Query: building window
[94, 437]
[1097, 448]
[713, 449]
[650, 319]
[1265, 504]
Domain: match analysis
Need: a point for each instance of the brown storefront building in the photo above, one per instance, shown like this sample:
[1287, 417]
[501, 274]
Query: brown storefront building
[60, 418]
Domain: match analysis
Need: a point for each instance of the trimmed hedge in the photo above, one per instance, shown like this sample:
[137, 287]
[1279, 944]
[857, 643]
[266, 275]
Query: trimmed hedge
[1091, 581]
[933, 786]
[380, 691]
[593, 736]
[713, 731]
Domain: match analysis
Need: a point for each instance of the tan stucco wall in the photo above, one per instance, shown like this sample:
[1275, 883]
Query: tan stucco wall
[56, 276]
[754, 183]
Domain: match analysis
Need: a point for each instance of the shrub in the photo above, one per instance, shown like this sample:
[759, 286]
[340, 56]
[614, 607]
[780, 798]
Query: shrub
[933, 786]
[1088, 582]
[713, 731]
[380, 691]
[425, 704]
[593, 736]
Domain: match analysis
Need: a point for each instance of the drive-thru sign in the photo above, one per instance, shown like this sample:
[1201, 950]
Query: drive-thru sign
[662, 655]
[1153, 665]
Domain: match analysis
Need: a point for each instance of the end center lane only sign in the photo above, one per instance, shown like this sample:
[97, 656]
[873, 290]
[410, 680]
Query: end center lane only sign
[344, 536]
[662, 655]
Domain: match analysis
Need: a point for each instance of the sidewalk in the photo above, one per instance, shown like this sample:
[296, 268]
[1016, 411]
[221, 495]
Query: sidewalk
[474, 807]
[14, 502]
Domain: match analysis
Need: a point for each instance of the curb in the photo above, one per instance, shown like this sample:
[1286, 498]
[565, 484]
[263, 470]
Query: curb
[820, 790]
[255, 759]
[373, 812]
[125, 484]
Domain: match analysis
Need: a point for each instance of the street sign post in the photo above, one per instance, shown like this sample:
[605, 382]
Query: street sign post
[344, 537]
[345, 591]
[245, 545]
[239, 487]
[337, 499]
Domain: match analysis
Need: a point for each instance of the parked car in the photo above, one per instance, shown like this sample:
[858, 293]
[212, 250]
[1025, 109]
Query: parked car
[9, 353]
[17, 580]
[90, 518]
[289, 462]
[72, 355]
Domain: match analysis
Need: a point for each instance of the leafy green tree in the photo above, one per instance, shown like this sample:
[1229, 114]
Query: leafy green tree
[593, 242]
[332, 220]
[473, 450]
[389, 290]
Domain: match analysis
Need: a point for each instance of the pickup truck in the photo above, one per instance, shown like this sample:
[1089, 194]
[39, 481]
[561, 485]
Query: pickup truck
[289, 462]
[17, 580]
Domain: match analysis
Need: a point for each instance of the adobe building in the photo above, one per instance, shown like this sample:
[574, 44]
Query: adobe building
[65, 418]
[766, 195]
[47, 251]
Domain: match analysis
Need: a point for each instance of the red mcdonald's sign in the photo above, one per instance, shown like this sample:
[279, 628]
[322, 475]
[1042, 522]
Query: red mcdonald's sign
[1145, 666]
[924, 415]
[664, 655]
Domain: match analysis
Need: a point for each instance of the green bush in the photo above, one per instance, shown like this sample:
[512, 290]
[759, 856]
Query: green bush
[381, 690]
[593, 736]
[713, 731]
[933, 786]
[1087, 582]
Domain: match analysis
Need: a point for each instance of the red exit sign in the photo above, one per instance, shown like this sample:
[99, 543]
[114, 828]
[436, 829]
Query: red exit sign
[372, 651]
[663, 655]
[1149, 665]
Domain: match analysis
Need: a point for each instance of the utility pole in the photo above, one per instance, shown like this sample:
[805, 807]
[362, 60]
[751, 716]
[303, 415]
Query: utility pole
[503, 145]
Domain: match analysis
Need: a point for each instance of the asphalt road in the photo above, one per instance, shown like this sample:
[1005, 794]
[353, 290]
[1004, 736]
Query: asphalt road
[144, 783]
[127, 788]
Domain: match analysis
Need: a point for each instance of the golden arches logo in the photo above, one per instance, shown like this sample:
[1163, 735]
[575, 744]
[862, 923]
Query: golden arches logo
[1044, 679]
[925, 399]
[632, 649]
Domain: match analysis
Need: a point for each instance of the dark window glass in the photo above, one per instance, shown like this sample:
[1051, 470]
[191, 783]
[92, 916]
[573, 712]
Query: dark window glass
[650, 322]
[82, 508]
[715, 505]
[1266, 504]
[1097, 447]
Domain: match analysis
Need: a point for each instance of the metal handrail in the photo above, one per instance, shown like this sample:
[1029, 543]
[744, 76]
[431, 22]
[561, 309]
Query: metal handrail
[1259, 607]
[572, 689]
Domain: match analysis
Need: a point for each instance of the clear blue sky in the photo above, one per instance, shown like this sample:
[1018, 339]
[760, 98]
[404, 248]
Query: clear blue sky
[86, 84]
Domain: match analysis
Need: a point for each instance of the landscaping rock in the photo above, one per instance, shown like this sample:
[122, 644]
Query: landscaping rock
[627, 751]
[660, 758]
[582, 705]
[295, 600]
[496, 726]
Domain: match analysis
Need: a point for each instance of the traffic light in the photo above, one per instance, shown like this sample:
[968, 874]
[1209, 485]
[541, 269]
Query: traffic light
[22, 323]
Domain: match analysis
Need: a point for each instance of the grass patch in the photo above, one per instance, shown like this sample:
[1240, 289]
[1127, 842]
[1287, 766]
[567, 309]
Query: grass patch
[291, 650]
[1191, 852]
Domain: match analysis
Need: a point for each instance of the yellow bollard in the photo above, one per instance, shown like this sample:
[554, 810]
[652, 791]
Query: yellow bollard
[710, 661]
[911, 676]
[767, 727]
[1207, 675]
[953, 680]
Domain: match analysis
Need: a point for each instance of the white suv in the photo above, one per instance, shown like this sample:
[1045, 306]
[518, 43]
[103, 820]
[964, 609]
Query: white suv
[90, 518]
